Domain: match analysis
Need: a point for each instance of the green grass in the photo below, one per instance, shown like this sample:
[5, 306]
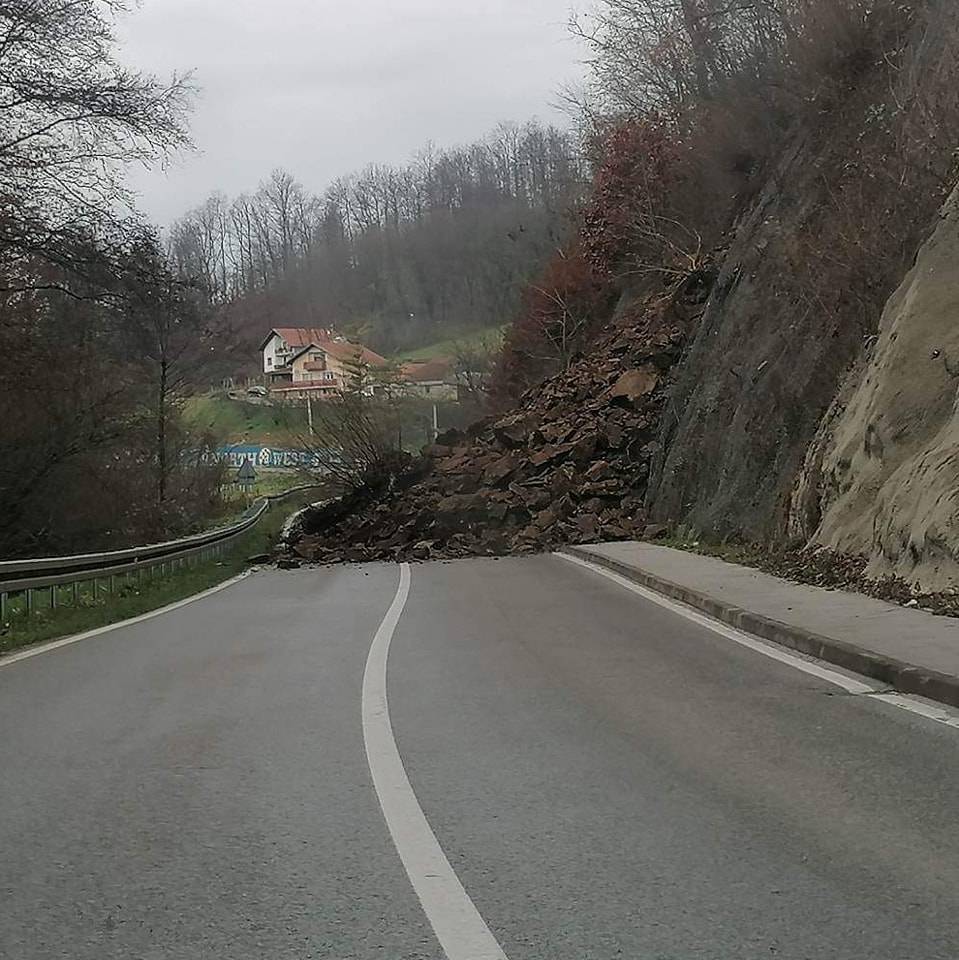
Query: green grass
[475, 339]
[268, 484]
[237, 421]
[133, 597]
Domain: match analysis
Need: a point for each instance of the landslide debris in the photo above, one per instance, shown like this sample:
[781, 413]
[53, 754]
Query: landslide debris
[569, 465]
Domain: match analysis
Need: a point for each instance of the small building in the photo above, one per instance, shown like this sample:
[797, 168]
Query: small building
[432, 379]
[282, 342]
[324, 369]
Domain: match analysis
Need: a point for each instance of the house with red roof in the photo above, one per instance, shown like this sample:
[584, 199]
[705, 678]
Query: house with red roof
[282, 342]
[309, 362]
[434, 378]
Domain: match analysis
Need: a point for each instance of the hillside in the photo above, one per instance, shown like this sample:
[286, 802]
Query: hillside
[805, 276]
[793, 406]
[485, 339]
[241, 422]
[399, 257]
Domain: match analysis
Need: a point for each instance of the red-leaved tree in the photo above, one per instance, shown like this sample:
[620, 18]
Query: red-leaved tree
[559, 313]
[631, 224]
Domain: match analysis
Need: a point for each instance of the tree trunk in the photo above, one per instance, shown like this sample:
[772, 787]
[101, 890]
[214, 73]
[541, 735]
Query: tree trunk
[694, 22]
[161, 434]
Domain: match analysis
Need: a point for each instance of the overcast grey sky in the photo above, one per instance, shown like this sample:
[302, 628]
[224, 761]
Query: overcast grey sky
[322, 87]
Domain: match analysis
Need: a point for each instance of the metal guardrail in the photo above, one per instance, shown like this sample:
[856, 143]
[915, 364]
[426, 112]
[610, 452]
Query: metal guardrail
[49, 573]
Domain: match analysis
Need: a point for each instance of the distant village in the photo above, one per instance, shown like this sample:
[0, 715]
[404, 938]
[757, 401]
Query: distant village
[309, 363]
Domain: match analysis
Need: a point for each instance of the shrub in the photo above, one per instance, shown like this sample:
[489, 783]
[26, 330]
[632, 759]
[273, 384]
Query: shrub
[356, 442]
[559, 314]
[629, 224]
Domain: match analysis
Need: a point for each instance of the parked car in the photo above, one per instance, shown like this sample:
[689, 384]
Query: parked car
[257, 391]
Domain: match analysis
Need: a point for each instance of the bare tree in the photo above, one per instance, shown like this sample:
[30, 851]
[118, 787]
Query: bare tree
[473, 364]
[71, 117]
[357, 441]
[168, 323]
[397, 255]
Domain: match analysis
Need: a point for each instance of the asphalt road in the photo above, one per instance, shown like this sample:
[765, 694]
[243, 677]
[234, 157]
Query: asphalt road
[606, 779]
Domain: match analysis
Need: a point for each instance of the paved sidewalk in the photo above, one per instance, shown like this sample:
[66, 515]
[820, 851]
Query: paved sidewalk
[914, 651]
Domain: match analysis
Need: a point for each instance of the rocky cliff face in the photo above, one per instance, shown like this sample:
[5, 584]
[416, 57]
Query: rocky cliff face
[762, 370]
[807, 271]
[882, 478]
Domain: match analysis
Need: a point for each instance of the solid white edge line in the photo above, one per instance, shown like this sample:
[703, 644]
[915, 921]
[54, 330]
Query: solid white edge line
[40, 648]
[461, 931]
[925, 708]
[815, 668]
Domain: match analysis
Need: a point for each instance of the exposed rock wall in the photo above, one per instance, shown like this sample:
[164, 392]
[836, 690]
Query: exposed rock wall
[759, 375]
[808, 270]
[883, 475]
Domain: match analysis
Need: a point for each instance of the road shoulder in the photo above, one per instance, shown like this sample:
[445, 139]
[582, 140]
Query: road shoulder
[912, 651]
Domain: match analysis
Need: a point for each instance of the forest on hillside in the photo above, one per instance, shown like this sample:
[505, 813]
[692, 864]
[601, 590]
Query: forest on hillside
[398, 256]
[107, 324]
[762, 175]
[691, 111]
[99, 335]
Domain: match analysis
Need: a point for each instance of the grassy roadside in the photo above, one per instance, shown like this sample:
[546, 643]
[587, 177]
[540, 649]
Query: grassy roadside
[133, 597]
[471, 340]
[239, 421]
[269, 483]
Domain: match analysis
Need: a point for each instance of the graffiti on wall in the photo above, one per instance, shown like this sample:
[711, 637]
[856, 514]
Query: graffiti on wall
[269, 458]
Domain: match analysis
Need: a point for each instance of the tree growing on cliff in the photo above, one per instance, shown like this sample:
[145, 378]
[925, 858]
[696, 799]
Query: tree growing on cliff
[631, 224]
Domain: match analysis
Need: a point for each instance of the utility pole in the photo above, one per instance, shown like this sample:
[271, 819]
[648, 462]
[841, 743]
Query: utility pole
[309, 413]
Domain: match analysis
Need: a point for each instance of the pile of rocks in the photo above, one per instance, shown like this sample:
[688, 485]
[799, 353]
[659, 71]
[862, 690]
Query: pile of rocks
[569, 465]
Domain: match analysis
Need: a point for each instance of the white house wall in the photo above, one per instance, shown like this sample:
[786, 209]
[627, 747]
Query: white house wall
[275, 354]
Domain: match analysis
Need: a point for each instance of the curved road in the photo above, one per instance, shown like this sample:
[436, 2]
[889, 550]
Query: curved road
[605, 779]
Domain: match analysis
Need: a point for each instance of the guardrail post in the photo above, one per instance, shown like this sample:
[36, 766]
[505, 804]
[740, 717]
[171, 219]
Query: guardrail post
[3, 607]
[29, 601]
[53, 597]
[76, 593]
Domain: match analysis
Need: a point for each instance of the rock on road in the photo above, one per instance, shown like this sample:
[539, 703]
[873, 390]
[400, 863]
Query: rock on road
[606, 778]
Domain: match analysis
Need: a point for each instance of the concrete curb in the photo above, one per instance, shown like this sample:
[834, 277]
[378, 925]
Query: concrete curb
[904, 677]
